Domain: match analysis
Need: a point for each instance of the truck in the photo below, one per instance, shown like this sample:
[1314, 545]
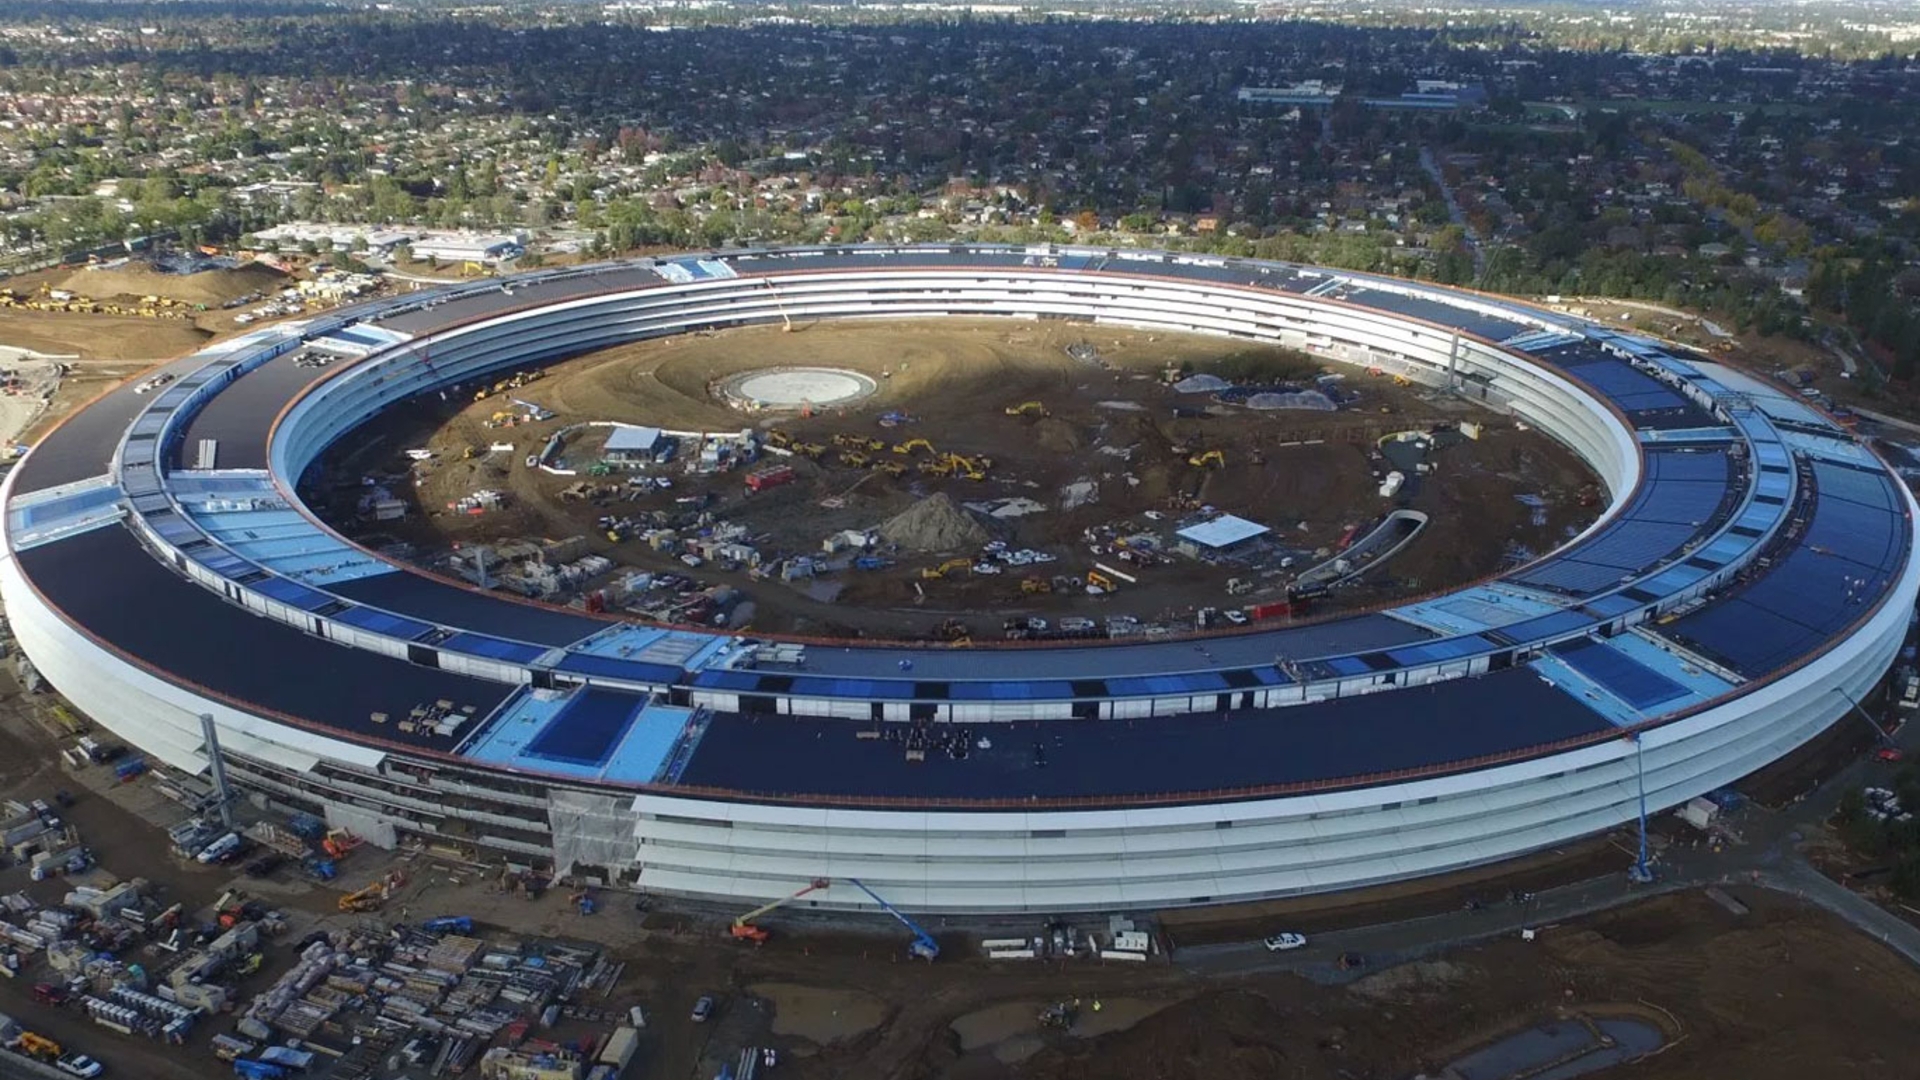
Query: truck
[258, 1070]
[448, 924]
[1909, 688]
[213, 852]
[620, 1048]
[770, 477]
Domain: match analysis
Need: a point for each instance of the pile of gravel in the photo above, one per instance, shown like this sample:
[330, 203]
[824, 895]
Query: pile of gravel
[936, 523]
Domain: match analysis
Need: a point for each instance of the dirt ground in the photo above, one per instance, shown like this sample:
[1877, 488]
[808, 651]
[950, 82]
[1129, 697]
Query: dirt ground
[1782, 992]
[1311, 476]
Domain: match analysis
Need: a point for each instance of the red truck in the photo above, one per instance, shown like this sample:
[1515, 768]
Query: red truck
[771, 477]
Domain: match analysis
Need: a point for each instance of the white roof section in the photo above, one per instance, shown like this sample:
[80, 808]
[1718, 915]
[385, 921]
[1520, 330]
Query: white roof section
[633, 438]
[1223, 531]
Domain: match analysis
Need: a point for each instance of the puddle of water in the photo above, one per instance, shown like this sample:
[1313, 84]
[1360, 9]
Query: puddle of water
[821, 1015]
[1116, 1014]
[1560, 1050]
[996, 1023]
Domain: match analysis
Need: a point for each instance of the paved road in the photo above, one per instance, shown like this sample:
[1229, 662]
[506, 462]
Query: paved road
[1768, 857]
[1454, 211]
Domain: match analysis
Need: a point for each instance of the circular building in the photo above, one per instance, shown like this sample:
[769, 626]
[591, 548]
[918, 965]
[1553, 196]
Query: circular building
[1752, 573]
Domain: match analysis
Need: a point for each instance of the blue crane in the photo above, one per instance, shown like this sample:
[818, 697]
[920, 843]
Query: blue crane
[923, 945]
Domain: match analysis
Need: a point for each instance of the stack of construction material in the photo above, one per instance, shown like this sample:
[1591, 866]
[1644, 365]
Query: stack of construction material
[454, 954]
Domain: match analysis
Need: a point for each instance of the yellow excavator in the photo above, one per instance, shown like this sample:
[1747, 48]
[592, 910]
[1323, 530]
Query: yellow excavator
[934, 573]
[1100, 581]
[1210, 459]
[1035, 585]
[911, 445]
[743, 928]
[854, 459]
[858, 442]
[367, 899]
[891, 468]
[1028, 408]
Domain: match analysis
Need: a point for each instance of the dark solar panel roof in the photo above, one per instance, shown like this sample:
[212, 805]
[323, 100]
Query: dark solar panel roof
[587, 728]
[189, 632]
[82, 444]
[1849, 553]
[1626, 678]
[1434, 311]
[468, 609]
[1451, 721]
[240, 416]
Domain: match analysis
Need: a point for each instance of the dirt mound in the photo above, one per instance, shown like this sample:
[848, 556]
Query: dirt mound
[935, 524]
[1057, 436]
[137, 279]
[1231, 1035]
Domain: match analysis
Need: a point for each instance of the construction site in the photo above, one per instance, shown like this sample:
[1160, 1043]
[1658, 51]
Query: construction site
[144, 933]
[955, 480]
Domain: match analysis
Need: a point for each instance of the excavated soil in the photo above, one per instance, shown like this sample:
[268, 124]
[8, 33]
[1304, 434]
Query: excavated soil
[1114, 450]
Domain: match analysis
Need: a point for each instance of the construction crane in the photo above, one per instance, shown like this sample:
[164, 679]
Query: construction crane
[1213, 458]
[786, 324]
[367, 899]
[923, 946]
[743, 928]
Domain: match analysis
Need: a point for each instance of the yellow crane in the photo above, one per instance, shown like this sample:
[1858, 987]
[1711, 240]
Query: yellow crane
[367, 899]
[743, 928]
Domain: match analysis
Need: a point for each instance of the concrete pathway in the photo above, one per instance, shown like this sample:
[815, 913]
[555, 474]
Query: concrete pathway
[1769, 858]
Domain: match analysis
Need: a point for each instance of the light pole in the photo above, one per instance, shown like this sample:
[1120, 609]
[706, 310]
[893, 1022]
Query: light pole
[1641, 872]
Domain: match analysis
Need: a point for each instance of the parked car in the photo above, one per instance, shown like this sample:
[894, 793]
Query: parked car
[1285, 942]
[49, 994]
[79, 1065]
[265, 864]
[703, 1008]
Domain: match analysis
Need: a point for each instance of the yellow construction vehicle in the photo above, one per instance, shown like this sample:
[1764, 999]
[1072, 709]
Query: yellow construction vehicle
[1211, 458]
[933, 573]
[481, 394]
[1035, 585]
[471, 267]
[1402, 380]
[367, 899]
[37, 1046]
[1100, 581]
[891, 468]
[811, 450]
[938, 467]
[743, 928]
[971, 468]
[911, 445]
[858, 442]
[778, 438]
[854, 459]
[1028, 408]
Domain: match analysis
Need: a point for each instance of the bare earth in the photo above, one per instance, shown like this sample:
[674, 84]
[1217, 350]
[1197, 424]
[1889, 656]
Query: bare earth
[1306, 474]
